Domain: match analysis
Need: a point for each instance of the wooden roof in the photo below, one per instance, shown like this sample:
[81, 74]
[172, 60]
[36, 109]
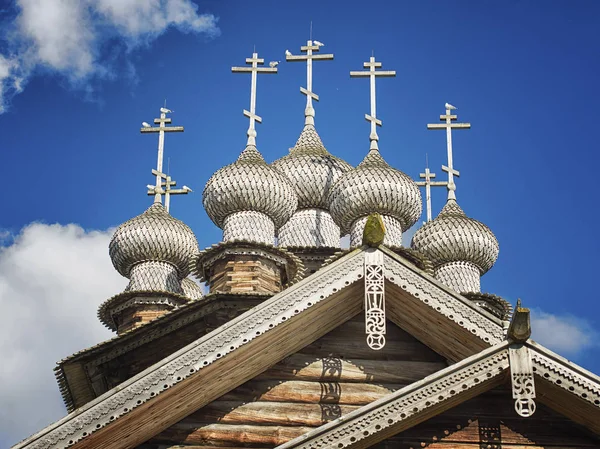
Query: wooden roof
[218, 362]
[562, 385]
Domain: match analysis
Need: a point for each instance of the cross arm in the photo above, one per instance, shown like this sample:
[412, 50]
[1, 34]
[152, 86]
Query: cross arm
[162, 120]
[296, 58]
[358, 73]
[446, 125]
[254, 69]
[167, 129]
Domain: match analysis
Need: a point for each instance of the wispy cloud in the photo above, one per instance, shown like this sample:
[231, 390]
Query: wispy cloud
[52, 280]
[69, 37]
[565, 334]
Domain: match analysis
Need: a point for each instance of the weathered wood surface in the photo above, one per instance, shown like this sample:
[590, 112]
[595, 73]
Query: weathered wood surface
[449, 341]
[489, 421]
[323, 381]
[226, 373]
[245, 274]
[266, 413]
[317, 369]
[311, 392]
[227, 434]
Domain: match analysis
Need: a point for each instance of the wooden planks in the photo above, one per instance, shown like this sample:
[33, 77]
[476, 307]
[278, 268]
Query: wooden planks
[321, 382]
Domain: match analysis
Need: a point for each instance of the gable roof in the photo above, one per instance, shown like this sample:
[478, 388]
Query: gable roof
[195, 375]
[578, 398]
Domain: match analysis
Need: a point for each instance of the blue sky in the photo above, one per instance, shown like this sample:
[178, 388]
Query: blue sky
[525, 77]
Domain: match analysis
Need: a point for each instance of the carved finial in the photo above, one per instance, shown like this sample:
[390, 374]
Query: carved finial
[449, 126]
[161, 129]
[520, 325]
[311, 46]
[371, 73]
[374, 232]
[254, 61]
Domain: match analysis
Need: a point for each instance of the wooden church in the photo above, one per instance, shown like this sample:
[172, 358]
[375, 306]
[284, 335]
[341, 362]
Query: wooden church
[299, 344]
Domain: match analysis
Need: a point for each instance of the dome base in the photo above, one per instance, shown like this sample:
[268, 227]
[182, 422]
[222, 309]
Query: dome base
[393, 232]
[154, 276]
[460, 276]
[310, 228]
[250, 226]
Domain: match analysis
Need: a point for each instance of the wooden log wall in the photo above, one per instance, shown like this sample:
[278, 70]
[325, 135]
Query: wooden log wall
[325, 380]
[490, 421]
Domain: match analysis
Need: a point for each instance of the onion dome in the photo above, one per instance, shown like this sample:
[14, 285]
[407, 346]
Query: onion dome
[462, 249]
[373, 186]
[454, 237]
[191, 289]
[249, 185]
[153, 236]
[311, 169]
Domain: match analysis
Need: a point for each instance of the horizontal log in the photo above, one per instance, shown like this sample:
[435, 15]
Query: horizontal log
[356, 326]
[230, 435]
[267, 413]
[355, 346]
[313, 392]
[306, 367]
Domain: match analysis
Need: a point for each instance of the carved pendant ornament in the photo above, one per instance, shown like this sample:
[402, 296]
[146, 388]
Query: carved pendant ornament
[523, 385]
[374, 299]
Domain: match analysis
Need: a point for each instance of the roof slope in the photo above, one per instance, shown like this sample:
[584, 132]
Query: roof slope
[561, 385]
[192, 377]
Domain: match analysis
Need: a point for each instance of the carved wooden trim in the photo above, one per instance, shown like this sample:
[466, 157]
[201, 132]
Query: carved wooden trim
[565, 375]
[374, 299]
[522, 382]
[389, 415]
[198, 355]
[424, 288]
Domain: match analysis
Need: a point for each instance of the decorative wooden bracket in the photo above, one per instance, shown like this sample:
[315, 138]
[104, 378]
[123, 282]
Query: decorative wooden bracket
[523, 384]
[521, 367]
[374, 299]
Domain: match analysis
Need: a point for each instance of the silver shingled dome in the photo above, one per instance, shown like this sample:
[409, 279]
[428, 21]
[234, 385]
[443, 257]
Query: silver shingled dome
[249, 184]
[454, 237]
[374, 186]
[311, 169]
[191, 289]
[153, 236]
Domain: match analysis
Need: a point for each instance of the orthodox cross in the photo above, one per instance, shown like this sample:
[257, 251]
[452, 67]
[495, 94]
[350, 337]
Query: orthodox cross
[167, 191]
[311, 46]
[448, 126]
[254, 61]
[161, 129]
[372, 74]
[428, 183]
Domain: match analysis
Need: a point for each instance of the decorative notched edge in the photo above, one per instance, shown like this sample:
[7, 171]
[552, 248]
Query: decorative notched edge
[125, 299]
[562, 373]
[197, 355]
[467, 315]
[408, 402]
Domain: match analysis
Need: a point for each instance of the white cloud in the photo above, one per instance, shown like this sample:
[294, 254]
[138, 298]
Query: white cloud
[565, 334]
[68, 36]
[52, 280]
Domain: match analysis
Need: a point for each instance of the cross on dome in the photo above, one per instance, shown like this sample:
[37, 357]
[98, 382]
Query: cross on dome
[372, 74]
[254, 61]
[428, 183]
[161, 129]
[311, 46]
[165, 188]
[448, 126]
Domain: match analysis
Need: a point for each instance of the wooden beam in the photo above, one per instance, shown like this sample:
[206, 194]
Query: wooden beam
[235, 368]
